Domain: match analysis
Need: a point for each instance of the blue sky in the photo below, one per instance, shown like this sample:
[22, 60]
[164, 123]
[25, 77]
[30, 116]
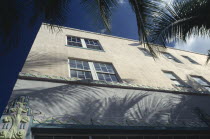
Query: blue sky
[123, 21]
[124, 25]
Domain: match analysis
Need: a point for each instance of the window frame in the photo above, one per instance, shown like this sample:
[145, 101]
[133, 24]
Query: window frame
[83, 43]
[177, 78]
[73, 45]
[172, 57]
[203, 79]
[77, 69]
[145, 51]
[94, 72]
[101, 48]
[190, 59]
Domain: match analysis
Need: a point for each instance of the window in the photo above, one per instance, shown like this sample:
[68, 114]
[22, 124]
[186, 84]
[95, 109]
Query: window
[74, 41]
[189, 59]
[171, 57]
[84, 43]
[80, 69]
[93, 71]
[200, 80]
[93, 44]
[145, 51]
[175, 79]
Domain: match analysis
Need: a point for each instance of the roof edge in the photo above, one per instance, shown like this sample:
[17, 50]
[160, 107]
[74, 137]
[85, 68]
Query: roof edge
[122, 38]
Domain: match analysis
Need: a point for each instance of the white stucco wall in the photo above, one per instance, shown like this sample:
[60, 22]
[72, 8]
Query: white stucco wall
[50, 54]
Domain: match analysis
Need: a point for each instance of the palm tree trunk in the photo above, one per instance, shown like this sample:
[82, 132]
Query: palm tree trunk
[12, 62]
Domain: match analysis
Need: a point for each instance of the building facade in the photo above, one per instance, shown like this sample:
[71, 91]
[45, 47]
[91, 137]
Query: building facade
[79, 84]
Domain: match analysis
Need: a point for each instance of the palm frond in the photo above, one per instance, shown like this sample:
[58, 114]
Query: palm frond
[9, 19]
[101, 10]
[11, 12]
[180, 20]
[208, 57]
[54, 11]
[144, 11]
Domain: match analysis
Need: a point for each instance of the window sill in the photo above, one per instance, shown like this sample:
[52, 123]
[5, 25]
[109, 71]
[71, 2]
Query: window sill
[85, 48]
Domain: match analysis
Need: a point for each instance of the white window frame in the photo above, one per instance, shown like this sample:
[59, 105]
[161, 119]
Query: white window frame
[99, 45]
[93, 70]
[171, 57]
[190, 59]
[203, 79]
[84, 70]
[181, 82]
[74, 42]
[84, 43]
[145, 52]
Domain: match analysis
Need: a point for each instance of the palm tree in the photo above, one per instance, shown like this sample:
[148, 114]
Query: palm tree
[20, 21]
[179, 20]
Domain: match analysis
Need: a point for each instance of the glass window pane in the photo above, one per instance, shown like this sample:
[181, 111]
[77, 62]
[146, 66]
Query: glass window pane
[114, 78]
[96, 42]
[86, 65]
[74, 41]
[170, 75]
[145, 51]
[93, 44]
[200, 80]
[101, 77]
[176, 82]
[79, 66]
[73, 73]
[78, 40]
[108, 78]
[190, 59]
[104, 69]
[81, 74]
[207, 88]
[110, 68]
[97, 66]
[93, 47]
[88, 75]
[72, 64]
[169, 56]
[102, 65]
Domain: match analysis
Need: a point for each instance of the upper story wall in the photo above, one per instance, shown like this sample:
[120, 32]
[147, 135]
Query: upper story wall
[49, 56]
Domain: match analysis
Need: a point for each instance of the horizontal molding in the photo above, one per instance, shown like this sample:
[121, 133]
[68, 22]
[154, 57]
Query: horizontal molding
[58, 79]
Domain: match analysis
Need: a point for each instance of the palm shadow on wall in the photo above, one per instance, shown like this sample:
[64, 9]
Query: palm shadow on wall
[38, 59]
[100, 105]
[195, 85]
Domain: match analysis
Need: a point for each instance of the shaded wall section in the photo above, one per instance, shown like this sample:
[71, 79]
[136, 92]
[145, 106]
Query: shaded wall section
[59, 103]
